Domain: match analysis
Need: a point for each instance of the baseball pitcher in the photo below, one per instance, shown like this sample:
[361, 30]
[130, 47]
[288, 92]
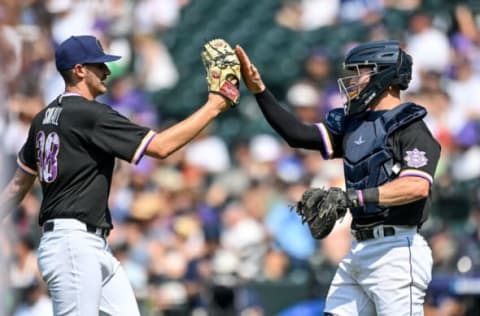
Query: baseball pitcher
[71, 148]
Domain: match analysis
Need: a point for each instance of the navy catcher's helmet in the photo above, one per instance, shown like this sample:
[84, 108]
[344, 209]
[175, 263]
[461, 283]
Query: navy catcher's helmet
[387, 65]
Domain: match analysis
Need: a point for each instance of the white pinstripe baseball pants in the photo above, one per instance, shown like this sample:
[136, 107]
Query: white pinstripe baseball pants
[384, 276]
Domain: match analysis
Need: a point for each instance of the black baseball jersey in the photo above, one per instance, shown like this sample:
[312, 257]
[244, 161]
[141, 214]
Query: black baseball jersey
[413, 146]
[417, 153]
[72, 145]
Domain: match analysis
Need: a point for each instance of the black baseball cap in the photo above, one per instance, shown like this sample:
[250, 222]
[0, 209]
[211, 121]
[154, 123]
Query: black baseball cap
[83, 49]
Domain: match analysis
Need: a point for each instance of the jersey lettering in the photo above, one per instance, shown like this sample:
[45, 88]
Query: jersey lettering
[52, 115]
[47, 148]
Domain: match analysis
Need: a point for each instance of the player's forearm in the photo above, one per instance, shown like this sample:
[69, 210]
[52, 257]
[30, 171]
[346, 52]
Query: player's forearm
[403, 190]
[14, 193]
[296, 133]
[173, 138]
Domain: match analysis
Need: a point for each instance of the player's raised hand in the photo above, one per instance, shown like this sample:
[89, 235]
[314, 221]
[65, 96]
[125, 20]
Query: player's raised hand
[250, 74]
[223, 69]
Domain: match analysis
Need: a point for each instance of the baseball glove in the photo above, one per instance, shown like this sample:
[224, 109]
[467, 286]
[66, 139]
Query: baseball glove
[223, 69]
[321, 208]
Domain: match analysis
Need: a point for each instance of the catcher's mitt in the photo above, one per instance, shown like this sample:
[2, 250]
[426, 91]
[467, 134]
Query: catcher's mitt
[321, 209]
[223, 69]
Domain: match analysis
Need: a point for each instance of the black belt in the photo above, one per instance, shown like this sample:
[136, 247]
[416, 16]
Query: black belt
[102, 232]
[371, 233]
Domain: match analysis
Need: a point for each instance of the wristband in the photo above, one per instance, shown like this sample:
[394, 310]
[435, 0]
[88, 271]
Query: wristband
[358, 198]
[370, 195]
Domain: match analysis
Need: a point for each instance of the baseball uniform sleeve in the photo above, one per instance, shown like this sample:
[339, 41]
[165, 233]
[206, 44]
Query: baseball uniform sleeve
[332, 142]
[26, 157]
[117, 135]
[295, 132]
[419, 151]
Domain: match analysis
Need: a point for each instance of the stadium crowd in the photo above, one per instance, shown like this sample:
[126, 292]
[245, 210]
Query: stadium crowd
[210, 230]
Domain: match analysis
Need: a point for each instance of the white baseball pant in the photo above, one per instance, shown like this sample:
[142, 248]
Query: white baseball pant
[382, 276]
[83, 277]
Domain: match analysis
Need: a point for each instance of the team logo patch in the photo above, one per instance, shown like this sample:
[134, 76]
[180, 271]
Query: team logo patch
[415, 158]
[359, 141]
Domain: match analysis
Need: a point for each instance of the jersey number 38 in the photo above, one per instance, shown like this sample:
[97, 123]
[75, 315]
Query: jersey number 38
[46, 147]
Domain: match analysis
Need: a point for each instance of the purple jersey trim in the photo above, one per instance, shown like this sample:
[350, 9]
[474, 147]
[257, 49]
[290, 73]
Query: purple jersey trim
[416, 173]
[26, 168]
[326, 141]
[143, 145]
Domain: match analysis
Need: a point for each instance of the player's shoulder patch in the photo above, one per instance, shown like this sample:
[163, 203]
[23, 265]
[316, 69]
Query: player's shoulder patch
[415, 158]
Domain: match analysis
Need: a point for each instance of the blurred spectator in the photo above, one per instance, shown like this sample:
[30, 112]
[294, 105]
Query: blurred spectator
[137, 179]
[145, 209]
[136, 273]
[22, 109]
[307, 15]
[233, 181]
[10, 53]
[406, 5]
[36, 300]
[5, 288]
[264, 151]
[332, 250]
[444, 248]
[287, 230]
[131, 101]
[465, 97]
[468, 254]
[208, 152]
[305, 99]
[167, 283]
[467, 40]
[318, 67]
[154, 65]
[245, 238]
[226, 292]
[447, 306]
[23, 270]
[156, 15]
[289, 15]
[423, 39]
[318, 13]
[71, 17]
[120, 20]
[464, 164]
[366, 11]
[275, 266]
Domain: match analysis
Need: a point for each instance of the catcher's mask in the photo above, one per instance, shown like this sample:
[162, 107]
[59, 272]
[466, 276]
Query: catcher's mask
[373, 68]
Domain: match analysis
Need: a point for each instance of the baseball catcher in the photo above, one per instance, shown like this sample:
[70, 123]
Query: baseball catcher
[223, 69]
[389, 160]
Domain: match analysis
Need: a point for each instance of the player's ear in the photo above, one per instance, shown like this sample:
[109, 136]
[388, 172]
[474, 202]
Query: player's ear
[79, 70]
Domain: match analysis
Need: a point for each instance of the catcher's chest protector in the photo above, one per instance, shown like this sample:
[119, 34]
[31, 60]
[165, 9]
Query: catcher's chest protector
[368, 160]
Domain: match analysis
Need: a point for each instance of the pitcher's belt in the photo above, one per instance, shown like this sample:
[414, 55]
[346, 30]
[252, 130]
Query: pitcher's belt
[59, 224]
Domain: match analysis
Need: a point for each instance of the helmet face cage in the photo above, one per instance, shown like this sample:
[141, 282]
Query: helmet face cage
[390, 65]
[351, 86]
